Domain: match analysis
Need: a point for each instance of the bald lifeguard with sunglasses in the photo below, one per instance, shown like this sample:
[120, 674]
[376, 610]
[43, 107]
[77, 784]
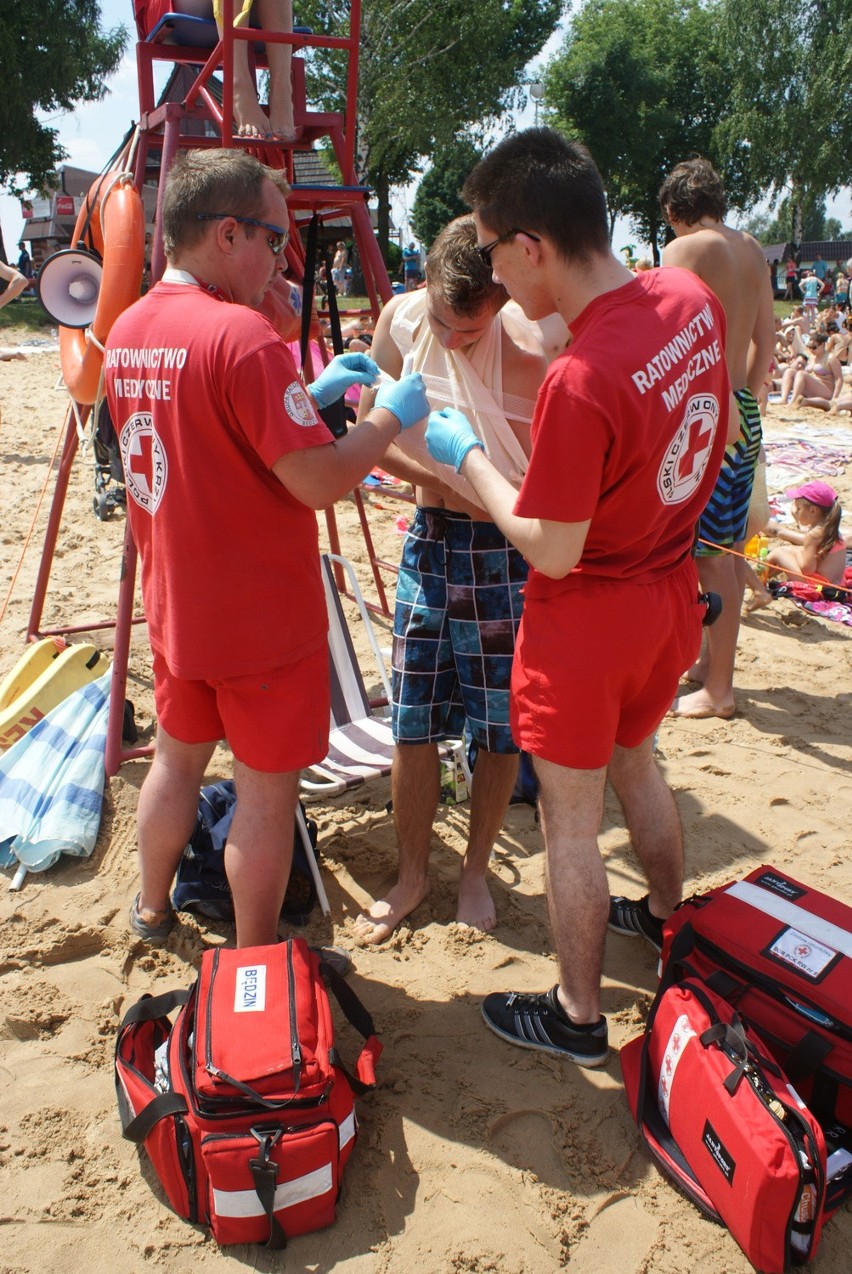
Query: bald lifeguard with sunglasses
[225, 461]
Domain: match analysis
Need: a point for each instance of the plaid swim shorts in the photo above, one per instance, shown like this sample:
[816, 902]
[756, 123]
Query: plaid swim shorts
[458, 607]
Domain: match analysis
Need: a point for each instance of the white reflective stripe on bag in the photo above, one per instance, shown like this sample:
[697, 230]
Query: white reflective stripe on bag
[346, 1131]
[789, 913]
[245, 1203]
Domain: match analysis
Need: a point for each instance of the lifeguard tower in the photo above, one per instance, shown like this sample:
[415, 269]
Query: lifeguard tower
[203, 117]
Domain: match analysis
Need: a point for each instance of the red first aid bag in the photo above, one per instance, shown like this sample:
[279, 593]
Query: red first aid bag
[721, 1119]
[781, 953]
[243, 1105]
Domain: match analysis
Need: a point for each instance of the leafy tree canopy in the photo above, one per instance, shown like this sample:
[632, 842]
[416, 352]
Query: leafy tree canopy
[643, 84]
[790, 65]
[778, 226]
[53, 55]
[426, 70]
[438, 199]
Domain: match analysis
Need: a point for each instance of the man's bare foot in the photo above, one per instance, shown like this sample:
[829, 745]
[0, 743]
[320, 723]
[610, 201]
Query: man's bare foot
[698, 705]
[757, 601]
[249, 118]
[476, 906]
[377, 924]
[281, 123]
[698, 671]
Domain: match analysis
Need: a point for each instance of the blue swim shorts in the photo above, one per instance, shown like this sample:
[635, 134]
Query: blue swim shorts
[724, 520]
[458, 607]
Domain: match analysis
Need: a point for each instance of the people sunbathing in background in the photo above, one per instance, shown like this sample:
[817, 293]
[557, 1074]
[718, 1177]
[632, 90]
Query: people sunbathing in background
[794, 328]
[816, 547]
[840, 340]
[250, 118]
[818, 382]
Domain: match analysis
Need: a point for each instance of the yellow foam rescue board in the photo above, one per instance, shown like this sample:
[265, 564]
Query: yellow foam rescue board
[45, 674]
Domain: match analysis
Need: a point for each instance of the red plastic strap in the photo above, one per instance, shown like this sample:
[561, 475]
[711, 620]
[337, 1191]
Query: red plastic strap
[365, 1067]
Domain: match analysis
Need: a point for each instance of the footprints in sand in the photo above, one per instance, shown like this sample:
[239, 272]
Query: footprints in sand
[525, 1138]
[60, 945]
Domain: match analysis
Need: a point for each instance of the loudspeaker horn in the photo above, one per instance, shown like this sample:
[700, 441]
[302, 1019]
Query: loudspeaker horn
[68, 285]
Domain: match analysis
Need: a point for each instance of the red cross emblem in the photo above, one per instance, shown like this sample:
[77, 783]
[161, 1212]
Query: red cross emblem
[145, 467]
[685, 462]
[140, 461]
[700, 434]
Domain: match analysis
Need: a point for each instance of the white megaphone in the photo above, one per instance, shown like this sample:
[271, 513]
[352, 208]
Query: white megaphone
[68, 285]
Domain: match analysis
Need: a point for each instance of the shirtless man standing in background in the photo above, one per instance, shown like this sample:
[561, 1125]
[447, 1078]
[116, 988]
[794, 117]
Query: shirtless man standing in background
[732, 264]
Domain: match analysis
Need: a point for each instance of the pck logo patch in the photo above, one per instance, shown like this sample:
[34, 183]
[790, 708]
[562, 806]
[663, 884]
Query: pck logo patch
[146, 470]
[250, 990]
[299, 405]
[686, 460]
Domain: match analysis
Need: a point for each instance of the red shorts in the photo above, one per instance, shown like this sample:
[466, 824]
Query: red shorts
[599, 664]
[276, 722]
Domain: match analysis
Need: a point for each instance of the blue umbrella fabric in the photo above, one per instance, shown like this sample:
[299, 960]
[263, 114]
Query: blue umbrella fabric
[52, 782]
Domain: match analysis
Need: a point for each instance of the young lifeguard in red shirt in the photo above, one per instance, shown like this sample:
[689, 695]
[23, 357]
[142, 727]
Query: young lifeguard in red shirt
[627, 440]
[225, 461]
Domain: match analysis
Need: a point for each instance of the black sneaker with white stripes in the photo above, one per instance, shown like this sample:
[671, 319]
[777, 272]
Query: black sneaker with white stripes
[632, 916]
[539, 1021]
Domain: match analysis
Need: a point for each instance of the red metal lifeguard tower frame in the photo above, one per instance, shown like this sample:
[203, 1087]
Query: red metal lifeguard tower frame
[163, 130]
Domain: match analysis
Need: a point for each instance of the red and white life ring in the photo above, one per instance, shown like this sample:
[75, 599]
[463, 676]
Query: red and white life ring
[116, 231]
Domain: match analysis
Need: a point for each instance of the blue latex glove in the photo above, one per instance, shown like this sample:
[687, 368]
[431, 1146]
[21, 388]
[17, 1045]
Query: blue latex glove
[342, 372]
[450, 436]
[406, 398]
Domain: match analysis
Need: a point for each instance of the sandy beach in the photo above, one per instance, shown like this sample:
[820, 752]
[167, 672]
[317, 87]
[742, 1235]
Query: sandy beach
[473, 1156]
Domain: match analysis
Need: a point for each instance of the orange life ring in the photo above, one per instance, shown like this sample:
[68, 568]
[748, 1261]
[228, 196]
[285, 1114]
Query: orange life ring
[116, 218]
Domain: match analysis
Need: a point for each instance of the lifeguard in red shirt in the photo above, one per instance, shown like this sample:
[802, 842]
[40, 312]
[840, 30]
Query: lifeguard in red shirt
[627, 440]
[225, 462]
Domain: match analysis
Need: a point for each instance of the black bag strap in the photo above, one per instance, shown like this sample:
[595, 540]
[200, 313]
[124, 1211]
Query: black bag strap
[731, 1036]
[725, 986]
[807, 1056]
[150, 1007]
[164, 1104]
[264, 1174]
[353, 1008]
[355, 1013]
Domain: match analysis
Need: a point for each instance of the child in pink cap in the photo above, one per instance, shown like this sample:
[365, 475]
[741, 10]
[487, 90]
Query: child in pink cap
[817, 547]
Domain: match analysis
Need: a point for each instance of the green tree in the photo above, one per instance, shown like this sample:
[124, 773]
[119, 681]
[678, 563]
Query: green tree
[643, 84]
[787, 63]
[778, 227]
[438, 199]
[53, 55]
[426, 71]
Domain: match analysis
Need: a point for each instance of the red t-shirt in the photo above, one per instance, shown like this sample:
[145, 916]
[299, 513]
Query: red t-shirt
[630, 426]
[205, 398]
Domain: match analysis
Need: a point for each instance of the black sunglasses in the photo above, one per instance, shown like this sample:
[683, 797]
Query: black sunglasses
[485, 249]
[277, 240]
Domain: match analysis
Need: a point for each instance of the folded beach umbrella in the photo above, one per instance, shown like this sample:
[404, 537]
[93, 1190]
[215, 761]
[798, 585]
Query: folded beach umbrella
[52, 782]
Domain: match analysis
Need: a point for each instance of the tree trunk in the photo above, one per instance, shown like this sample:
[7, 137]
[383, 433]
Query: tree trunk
[798, 214]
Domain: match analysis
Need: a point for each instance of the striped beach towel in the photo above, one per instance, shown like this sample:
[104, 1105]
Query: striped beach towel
[52, 782]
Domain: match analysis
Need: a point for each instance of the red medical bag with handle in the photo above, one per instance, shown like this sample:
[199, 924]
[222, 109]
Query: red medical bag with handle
[781, 953]
[721, 1119]
[243, 1105]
